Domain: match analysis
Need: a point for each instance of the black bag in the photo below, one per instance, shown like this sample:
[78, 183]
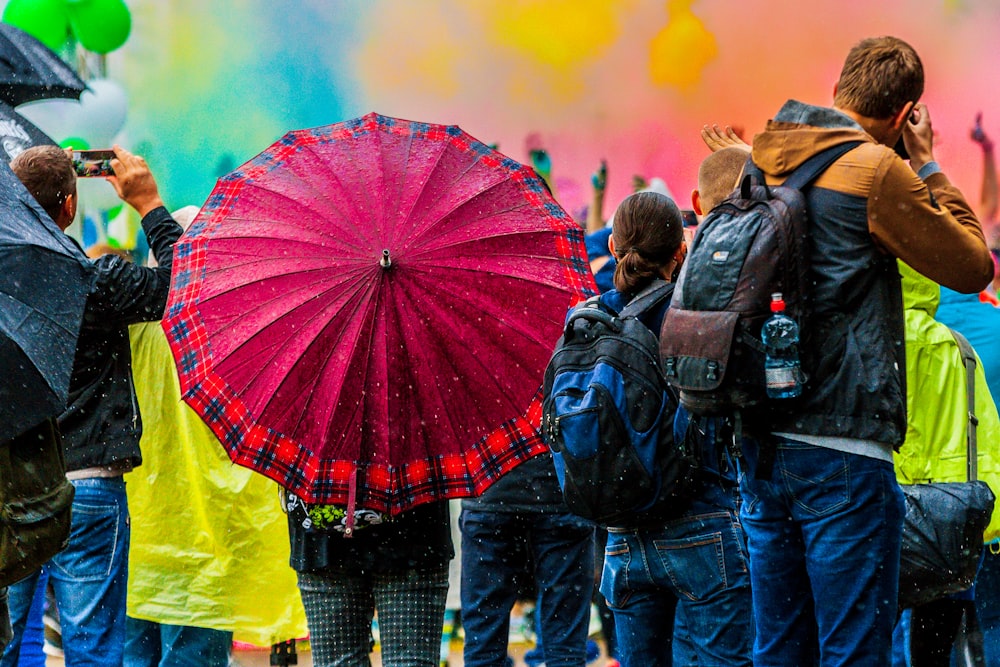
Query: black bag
[945, 521]
[751, 245]
[37, 499]
[607, 416]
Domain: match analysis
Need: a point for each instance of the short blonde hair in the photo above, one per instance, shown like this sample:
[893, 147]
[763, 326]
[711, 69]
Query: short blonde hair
[718, 175]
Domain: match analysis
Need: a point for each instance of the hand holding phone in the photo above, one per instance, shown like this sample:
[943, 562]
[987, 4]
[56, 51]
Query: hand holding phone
[918, 135]
[93, 163]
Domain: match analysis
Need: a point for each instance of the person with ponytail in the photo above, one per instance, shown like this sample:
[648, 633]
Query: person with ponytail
[695, 564]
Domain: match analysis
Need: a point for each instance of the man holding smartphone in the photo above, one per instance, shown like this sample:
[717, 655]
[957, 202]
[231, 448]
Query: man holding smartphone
[101, 425]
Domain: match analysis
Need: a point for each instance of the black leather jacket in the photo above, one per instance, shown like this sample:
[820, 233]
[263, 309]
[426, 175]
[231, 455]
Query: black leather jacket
[101, 426]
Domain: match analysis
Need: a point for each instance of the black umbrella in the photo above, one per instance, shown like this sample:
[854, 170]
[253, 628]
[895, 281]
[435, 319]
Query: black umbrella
[44, 281]
[29, 70]
[17, 133]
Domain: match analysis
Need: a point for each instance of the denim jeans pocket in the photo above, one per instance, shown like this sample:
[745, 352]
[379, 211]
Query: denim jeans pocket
[695, 563]
[817, 479]
[614, 576]
[94, 540]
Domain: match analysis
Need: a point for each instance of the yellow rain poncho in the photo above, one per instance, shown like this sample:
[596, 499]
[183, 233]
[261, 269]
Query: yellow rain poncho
[209, 540]
[936, 403]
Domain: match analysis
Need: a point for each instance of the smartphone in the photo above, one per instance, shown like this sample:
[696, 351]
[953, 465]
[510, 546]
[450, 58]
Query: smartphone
[689, 218]
[900, 146]
[93, 163]
[900, 149]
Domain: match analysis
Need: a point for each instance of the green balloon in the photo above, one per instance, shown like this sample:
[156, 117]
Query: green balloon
[45, 20]
[76, 143]
[100, 26]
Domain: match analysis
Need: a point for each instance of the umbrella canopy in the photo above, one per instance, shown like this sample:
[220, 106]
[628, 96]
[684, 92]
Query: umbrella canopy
[29, 70]
[17, 134]
[364, 311]
[44, 281]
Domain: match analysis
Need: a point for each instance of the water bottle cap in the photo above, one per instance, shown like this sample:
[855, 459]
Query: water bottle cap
[777, 303]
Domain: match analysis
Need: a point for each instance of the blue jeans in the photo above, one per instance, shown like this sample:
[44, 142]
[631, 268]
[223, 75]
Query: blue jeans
[149, 644]
[988, 603]
[88, 577]
[697, 564]
[33, 638]
[824, 534]
[561, 549]
[5, 629]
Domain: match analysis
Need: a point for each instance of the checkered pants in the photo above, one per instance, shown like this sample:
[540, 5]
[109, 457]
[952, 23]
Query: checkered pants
[339, 608]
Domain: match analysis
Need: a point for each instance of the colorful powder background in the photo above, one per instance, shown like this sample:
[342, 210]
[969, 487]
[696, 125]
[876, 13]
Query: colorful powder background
[213, 83]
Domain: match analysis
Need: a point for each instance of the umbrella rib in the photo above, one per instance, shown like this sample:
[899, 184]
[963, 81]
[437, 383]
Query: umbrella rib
[361, 299]
[294, 224]
[278, 298]
[347, 196]
[443, 146]
[358, 405]
[449, 359]
[434, 250]
[499, 272]
[263, 367]
[495, 316]
[252, 281]
[319, 374]
[421, 230]
[429, 238]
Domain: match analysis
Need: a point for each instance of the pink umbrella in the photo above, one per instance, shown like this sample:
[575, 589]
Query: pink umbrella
[364, 311]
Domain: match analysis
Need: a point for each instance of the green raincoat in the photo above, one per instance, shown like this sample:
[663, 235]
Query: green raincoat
[936, 402]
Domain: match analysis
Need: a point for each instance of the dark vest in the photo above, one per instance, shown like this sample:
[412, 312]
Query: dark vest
[855, 353]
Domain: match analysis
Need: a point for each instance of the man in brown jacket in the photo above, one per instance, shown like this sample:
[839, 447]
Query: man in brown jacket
[824, 526]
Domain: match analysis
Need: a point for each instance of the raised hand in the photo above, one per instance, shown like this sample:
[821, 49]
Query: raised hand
[717, 138]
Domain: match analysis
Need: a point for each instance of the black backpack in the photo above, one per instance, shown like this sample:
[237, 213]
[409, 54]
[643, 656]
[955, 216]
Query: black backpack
[751, 245]
[36, 500]
[608, 415]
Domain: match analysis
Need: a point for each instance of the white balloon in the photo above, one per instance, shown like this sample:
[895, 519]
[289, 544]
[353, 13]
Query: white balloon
[104, 107]
[57, 118]
[97, 117]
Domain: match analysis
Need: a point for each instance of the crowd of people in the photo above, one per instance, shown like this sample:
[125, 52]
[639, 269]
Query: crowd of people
[789, 552]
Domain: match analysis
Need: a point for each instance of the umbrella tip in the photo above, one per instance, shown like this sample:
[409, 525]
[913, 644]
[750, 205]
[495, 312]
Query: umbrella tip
[385, 262]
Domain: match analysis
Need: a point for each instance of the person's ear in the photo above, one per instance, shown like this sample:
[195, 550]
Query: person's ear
[696, 202]
[681, 253]
[611, 246]
[67, 212]
[901, 116]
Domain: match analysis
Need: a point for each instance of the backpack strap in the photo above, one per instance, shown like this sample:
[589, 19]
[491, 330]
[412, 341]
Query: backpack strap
[650, 296]
[969, 359]
[809, 171]
[806, 173]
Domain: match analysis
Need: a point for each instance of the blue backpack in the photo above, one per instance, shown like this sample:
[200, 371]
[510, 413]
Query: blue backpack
[608, 415]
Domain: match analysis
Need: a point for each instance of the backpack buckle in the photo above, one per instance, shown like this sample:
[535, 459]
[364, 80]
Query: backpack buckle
[713, 370]
[551, 427]
[670, 366]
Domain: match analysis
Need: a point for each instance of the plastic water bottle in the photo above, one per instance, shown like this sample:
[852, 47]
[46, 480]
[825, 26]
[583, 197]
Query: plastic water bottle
[780, 335]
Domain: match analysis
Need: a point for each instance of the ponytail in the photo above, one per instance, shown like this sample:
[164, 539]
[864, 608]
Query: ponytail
[647, 232]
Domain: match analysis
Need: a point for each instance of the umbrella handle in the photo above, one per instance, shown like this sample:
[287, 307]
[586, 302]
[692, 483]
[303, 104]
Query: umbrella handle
[352, 501]
[386, 261]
